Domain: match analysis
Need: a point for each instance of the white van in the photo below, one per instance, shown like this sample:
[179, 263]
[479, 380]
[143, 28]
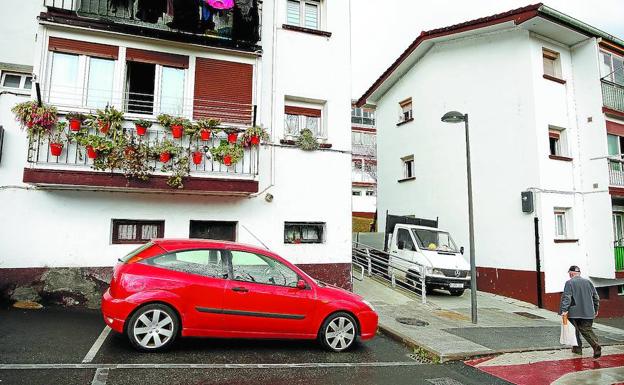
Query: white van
[412, 246]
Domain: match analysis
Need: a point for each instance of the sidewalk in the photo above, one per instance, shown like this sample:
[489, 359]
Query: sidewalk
[505, 325]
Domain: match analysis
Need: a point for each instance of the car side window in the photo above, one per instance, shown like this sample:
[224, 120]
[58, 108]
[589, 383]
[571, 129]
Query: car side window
[251, 267]
[208, 263]
[404, 236]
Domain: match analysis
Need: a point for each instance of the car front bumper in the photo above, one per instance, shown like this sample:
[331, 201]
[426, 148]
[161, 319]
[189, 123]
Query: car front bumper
[445, 283]
[368, 324]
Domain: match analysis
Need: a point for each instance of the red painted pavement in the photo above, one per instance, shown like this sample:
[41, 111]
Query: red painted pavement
[545, 372]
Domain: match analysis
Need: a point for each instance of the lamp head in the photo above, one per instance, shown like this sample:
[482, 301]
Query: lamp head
[453, 117]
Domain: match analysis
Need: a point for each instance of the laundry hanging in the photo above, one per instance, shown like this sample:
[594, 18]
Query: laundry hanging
[246, 23]
[221, 4]
[150, 11]
[185, 15]
[114, 5]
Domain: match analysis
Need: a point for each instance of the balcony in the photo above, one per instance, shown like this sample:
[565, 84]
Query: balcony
[619, 257]
[613, 96]
[616, 173]
[237, 28]
[363, 121]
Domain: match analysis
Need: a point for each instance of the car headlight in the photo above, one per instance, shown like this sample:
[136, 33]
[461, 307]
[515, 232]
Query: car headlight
[369, 304]
[437, 272]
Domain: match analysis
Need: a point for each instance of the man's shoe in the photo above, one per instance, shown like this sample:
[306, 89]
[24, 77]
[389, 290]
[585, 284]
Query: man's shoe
[577, 350]
[597, 353]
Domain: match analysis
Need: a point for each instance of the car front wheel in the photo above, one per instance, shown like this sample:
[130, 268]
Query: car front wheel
[153, 327]
[338, 332]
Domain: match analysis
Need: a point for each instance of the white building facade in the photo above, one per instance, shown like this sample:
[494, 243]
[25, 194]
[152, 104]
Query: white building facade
[247, 65]
[545, 103]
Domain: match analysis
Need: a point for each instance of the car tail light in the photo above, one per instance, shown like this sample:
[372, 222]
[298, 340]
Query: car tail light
[146, 251]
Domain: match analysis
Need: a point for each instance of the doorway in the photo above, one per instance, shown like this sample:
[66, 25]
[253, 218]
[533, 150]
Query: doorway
[140, 87]
[218, 230]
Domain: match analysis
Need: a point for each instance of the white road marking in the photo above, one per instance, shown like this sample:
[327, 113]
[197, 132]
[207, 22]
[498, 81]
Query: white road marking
[96, 345]
[206, 366]
[100, 377]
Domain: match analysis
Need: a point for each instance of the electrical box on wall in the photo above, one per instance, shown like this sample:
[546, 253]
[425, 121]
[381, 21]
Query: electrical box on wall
[527, 201]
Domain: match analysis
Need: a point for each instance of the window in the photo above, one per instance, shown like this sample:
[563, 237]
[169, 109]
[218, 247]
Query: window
[552, 63]
[620, 289]
[131, 231]
[14, 80]
[297, 118]
[100, 82]
[356, 165]
[64, 80]
[406, 110]
[304, 232]
[303, 14]
[408, 167]
[208, 263]
[362, 116]
[370, 193]
[612, 67]
[434, 240]
[404, 240]
[356, 193]
[562, 227]
[556, 139]
[250, 267]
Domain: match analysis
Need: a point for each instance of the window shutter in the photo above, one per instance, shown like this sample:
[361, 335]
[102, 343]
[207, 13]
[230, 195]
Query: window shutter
[615, 128]
[153, 57]
[554, 134]
[312, 112]
[57, 44]
[223, 90]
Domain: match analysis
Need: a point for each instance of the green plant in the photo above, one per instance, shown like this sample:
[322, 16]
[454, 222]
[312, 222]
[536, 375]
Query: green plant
[108, 116]
[135, 163]
[36, 119]
[58, 134]
[179, 169]
[167, 121]
[232, 150]
[143, 123]
[75, 116]
[101, 144]
[230, 130]
[208, 124]
[255, 131]
[307, 141]
[166, 146]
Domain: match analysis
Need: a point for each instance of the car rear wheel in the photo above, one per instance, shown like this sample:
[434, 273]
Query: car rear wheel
[153, 327]
[338, 332]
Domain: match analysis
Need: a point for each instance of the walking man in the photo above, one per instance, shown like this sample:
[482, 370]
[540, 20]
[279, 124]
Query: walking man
[579, 302]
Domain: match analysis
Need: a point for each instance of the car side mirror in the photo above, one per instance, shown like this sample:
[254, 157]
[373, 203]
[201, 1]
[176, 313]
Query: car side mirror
[400, 245]
[461, 250]
[301, 284]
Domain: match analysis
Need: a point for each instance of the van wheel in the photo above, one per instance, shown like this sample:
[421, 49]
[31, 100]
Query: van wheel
[338, 332]
[457, 292]
[153, 327]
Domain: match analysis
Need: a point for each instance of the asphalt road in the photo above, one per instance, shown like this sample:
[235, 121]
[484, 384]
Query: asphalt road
[58, 346]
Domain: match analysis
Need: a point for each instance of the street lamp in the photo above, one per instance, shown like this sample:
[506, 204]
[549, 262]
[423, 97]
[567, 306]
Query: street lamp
[457, 117]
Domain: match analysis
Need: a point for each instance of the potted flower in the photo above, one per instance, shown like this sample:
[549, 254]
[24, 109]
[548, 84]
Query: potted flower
[253, 135]
[95, 144]
[206, 127]
[165, 150]
[75, 120]
[175, 124]
[227, 153]
[232, 134]
[56, 139]
[36, 119]
[197, 154]
[307, 141]
[106, 119]
[141, 126]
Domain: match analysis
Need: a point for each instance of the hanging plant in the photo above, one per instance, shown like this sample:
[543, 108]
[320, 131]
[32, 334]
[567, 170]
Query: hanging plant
[106, 120]
[227, 153]
[135, 163]
[205, 128]
[141, 126]
[34, 118]
[75, 120]
[165, 149]
[57, 137]
[253, 136]
[307, 141]
[175, 124]
[179, 169]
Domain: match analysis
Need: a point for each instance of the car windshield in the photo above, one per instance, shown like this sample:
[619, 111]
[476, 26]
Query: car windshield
[434, 240]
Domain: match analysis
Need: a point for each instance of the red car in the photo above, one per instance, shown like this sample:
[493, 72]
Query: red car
[201, 288]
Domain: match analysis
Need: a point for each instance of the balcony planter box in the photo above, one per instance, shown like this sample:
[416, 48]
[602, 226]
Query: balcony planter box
[232, 137]
[176, 131]
[198, 157]
[74, 124]
[91, 152]
[205, 135]
[165, 157]
[56, 149]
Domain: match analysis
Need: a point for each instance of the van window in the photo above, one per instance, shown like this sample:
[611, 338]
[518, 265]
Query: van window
[403, 236]
[434, 240]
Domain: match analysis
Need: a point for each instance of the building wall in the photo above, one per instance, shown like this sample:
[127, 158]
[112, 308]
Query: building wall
[46, 228]
[18, 21]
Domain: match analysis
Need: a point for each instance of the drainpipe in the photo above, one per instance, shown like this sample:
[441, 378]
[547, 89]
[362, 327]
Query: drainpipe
[538, 265]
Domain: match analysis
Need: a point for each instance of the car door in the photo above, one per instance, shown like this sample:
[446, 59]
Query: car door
[261, 296]
[204, 273]
[404, 253]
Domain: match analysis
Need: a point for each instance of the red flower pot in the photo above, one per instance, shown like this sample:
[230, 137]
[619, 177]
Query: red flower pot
[91, 152]
[140, 130]
[232, 137]
[128, 151]
[176, 131]
[104, 126]
[197, 157]
[74, 124]
[165, 157]
[227, 160]
[255, 140]
[56, 149]
[205, 135]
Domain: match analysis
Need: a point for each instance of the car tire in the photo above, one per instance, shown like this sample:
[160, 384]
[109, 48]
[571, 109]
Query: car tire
[153, 328]
[457, 292]
[338, 332]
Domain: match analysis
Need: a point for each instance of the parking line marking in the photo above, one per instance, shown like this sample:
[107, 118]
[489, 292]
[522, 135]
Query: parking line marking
[206, 366]
[96, 345]
[100, 377]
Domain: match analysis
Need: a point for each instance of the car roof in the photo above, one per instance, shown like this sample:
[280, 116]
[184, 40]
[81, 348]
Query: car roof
[173, 244]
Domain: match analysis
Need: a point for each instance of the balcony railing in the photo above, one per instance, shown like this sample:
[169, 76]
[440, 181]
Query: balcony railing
[363, 121]
[218, 25]
[366, 150]
[616, 172]
[613, 95]
[619, 257]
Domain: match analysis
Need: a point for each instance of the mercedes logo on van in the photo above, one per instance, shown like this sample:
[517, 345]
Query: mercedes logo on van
[457, 273]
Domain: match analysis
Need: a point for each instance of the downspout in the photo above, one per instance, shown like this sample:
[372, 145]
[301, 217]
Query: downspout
[538, 264]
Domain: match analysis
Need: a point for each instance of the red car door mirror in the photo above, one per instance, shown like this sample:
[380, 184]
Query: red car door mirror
[301, 284]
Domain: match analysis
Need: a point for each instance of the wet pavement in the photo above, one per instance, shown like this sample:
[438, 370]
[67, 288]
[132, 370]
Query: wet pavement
[58, 346]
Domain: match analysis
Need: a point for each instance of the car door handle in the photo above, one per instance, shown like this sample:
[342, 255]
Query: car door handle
[240, 289]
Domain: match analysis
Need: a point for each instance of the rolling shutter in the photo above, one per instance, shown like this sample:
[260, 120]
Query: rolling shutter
[57, 44]
[292, 110]
[223, 90]
[153, 57]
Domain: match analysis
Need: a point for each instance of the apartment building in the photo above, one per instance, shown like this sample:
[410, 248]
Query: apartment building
[363, 167]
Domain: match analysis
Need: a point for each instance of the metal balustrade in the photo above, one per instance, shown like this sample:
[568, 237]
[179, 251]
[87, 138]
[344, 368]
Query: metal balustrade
[616, 172]
[619, 257]
[613, 95]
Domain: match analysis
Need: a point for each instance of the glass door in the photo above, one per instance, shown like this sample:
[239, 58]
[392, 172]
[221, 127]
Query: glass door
[618, 228]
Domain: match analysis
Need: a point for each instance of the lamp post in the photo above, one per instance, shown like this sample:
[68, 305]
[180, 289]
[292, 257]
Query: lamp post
[457, 117]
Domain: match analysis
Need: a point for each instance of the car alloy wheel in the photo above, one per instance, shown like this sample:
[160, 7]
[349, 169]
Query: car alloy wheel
[339, 332]
[153, 327]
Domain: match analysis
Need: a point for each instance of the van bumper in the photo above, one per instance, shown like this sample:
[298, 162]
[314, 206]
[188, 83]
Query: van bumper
[445, 283]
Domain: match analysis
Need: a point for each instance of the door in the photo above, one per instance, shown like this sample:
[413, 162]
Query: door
[218, 230]
[618, 228]
[403, 253]
[200, 276]
[262, 297]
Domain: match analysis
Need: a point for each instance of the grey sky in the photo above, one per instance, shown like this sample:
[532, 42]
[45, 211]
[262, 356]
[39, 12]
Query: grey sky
[382, 29]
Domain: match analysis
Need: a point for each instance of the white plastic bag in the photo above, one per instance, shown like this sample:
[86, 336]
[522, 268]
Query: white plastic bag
[568, 333]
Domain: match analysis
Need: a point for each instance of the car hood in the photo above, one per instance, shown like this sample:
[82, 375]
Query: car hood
[446, 260]
[335, 292]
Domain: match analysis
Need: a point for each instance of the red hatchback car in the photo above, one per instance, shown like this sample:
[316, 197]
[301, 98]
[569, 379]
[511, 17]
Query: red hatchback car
[200, 288]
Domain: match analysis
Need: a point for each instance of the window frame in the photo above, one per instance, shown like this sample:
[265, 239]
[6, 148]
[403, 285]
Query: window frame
[356, 193]
[115, 223]
[555, 58]
[407, 110]
[408, 167]
[322, 232]
[264, 257]
[563, 213]
[612, 57]
[302, 120]
[157, 100]
[225, 265]
[303, 11]
[22, 82]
